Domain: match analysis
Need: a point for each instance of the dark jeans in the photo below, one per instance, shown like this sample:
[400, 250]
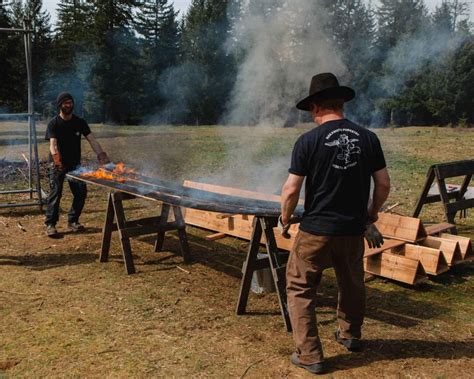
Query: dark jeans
[79, 192]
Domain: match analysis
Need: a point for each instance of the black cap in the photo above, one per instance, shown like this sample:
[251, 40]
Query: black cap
[62, 97]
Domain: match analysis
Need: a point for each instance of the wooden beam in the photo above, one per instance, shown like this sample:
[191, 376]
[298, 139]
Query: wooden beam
[403, 228]
[388, 244]
[231, 191]
[438, 228]
[449, 248]
[395, 267]
[216, 236]
[464, 243]
[432, 260]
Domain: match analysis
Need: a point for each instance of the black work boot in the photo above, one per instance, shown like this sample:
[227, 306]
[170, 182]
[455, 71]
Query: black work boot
[351, 344]
[314, 368]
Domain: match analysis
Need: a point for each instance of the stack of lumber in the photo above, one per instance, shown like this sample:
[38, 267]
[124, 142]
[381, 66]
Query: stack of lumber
[410, 251]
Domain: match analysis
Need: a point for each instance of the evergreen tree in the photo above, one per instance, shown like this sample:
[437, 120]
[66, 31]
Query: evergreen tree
[72, 52]
[39, 19]
[351, 27]
[209, 68]
[114, 85]
[442, 18]
[157, 23]
[10, 91]
[399, 18]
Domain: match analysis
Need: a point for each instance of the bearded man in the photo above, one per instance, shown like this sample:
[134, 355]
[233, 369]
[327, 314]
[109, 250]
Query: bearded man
[64, 134]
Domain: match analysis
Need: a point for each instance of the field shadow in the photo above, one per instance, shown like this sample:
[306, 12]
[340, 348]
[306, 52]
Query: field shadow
[87, 230]
[390, 349]
[219, 257]
[456, 275]
[45, 261]
[32, 210]
[395, 307]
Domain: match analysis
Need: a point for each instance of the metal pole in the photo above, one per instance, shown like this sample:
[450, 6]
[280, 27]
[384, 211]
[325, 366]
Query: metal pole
[26, 38]
[32, 138]
[32, 118]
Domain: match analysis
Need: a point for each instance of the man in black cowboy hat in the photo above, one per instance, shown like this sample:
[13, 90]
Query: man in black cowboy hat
[338, 160]
[64, 134]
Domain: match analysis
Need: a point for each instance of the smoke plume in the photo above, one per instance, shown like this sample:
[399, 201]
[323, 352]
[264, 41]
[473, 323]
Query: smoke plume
[283, 46]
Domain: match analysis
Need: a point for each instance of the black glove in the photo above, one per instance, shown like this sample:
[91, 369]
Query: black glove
[373, 236]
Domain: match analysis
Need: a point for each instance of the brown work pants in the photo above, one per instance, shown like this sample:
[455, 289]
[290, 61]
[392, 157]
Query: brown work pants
[311, 254]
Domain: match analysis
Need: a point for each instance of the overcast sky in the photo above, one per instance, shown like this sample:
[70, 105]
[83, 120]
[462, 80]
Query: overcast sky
[182, 5]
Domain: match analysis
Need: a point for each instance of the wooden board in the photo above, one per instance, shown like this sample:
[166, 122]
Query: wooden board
[388, 244]
[395, 267]
[215, 236]
[236, 226]
[403, 228]
[438, 228]
[432, 260]
[234, 191]
[231, 191]
[464, 243]
[449, 248]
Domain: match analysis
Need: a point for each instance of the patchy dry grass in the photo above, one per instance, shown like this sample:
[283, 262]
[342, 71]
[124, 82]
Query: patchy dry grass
[64, 314]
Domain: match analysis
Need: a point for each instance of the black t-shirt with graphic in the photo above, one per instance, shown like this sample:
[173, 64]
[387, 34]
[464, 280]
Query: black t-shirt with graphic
[68, 133]
[338, 159]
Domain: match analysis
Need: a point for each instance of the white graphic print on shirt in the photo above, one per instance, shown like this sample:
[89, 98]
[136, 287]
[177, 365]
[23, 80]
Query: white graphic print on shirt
[346, 147]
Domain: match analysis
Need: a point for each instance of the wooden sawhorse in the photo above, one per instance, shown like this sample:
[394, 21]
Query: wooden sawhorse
[440, 172]
[135, 228]
[275, 260]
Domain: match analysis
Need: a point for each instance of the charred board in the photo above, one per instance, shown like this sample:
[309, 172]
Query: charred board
[178, 195]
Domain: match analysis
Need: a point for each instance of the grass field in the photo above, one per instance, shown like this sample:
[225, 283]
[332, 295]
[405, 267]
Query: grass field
[64, 314]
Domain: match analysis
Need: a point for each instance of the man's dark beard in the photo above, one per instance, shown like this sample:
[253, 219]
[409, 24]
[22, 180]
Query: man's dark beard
[67, 110]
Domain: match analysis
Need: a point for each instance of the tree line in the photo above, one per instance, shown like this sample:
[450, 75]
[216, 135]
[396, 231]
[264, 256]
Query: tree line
[130, 61]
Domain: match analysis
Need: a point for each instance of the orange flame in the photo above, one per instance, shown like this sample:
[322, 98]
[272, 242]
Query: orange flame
[102, 173]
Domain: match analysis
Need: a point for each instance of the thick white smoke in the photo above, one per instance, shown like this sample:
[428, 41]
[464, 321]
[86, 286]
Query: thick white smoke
[283, 46]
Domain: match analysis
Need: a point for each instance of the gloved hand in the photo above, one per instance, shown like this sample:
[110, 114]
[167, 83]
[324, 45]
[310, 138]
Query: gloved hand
[284, 228]
[373, 236]
[103, 158]
[57, 162]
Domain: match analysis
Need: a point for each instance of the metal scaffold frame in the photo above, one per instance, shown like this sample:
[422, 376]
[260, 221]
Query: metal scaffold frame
[33, 156]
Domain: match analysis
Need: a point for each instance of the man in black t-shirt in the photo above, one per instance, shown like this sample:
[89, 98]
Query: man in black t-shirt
[64, 134]
[338, 160]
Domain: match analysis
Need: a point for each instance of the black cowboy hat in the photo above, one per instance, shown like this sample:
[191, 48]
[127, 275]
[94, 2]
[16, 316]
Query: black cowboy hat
[325, 86]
